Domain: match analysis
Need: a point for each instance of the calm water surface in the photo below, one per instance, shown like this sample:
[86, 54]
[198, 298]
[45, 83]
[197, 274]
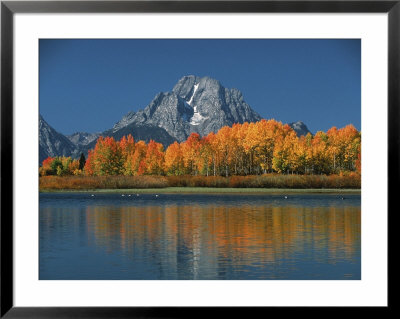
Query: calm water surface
[177, 236]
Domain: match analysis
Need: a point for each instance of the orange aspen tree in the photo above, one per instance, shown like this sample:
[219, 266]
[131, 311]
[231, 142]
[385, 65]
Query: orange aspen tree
[191, 152]
[174, 164]
[154, 159]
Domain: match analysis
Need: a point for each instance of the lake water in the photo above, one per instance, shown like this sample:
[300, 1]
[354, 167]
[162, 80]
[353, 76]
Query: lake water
[178, 236]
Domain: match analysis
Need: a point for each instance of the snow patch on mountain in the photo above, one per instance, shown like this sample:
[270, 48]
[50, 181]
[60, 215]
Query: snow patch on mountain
[197, 118]
[195, 87]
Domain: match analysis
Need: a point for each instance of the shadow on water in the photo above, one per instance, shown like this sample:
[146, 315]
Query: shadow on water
[110, 236]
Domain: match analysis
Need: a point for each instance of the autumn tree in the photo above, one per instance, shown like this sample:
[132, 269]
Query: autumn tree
[301, 154]
[191, 152]
[154, 159]
[136, 159]
[46, 168]
[344, 145]
[266, 146]
[284, 156]
[319, 158]
[107, 157]
[174, 163]
[89, 164]
[225, 148]
[260, 140]
[127, 145]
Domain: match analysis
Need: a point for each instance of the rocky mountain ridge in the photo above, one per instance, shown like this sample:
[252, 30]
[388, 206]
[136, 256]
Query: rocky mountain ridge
[53, 143]
[195, 104]
[200, 105]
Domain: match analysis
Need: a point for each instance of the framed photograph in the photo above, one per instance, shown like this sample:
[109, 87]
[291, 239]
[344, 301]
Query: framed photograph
[165, 157]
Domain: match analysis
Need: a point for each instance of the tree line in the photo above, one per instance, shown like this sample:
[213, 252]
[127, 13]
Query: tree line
[257, 148]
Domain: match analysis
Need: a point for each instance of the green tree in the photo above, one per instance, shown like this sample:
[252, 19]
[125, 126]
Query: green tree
[82, 161]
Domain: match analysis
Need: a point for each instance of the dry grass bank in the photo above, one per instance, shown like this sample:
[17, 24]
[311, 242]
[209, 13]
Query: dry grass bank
[101, 182]
[352, 181]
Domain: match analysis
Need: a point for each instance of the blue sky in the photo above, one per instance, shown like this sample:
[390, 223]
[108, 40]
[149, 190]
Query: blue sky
[88, 85]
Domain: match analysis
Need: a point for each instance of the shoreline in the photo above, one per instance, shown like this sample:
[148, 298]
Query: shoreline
[210, 190]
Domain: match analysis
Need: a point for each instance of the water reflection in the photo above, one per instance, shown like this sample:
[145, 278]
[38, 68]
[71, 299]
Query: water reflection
[200, 241]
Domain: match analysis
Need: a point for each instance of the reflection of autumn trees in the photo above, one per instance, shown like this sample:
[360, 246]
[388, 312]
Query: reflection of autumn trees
[243, 234]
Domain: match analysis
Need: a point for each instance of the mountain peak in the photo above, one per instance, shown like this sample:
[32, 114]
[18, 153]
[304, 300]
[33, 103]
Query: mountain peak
[195, 105]
[83, 138]
[300, 128]
[184, 87]
[52, 143]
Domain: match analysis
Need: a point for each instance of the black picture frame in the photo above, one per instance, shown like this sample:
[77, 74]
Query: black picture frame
[9, 8]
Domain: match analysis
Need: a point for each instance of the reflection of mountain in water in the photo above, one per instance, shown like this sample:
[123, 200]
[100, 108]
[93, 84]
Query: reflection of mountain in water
[216, 242]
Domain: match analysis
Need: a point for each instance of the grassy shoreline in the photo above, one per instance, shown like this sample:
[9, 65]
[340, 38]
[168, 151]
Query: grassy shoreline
[209, 190]
[212, 184]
